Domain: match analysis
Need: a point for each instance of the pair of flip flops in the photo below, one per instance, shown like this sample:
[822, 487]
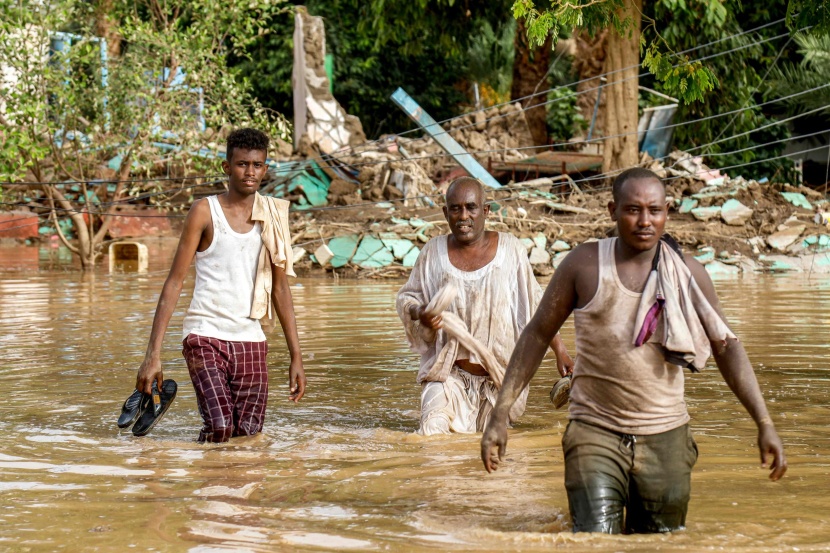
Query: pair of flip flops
[145, 410]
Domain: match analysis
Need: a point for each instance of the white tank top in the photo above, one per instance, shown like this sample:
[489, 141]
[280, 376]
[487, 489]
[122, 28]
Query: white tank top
[615, 385]
[225, 274]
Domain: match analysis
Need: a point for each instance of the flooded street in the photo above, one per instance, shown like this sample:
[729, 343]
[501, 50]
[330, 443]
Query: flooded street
[342, 470]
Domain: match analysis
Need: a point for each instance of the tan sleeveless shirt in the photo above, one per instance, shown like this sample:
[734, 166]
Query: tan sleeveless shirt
[616, 385]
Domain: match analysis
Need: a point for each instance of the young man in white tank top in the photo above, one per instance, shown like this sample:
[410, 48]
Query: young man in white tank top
[224, 346]
[628, 449]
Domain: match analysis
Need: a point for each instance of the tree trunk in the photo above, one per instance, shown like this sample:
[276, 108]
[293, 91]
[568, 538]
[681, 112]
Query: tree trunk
[106, 27]
[588, 62]
[620, 152]
[530, 68]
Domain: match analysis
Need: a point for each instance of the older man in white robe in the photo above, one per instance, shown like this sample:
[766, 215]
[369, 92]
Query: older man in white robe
[497, 296]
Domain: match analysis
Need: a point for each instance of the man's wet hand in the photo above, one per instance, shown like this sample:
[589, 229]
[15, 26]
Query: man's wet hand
[773, 450]
[493, 444]
[564, 362]
[149, 371]
[296, 381]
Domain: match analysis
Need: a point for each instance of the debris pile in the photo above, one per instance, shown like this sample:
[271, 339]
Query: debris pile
[730, 224]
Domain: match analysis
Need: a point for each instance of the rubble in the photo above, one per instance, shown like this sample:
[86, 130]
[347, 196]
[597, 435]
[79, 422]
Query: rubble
[367, 208]
[730, 224]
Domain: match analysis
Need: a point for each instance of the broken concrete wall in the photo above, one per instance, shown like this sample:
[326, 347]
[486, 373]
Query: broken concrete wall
[318, 117]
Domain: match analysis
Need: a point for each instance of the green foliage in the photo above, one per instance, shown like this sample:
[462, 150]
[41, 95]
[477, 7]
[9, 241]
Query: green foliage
[592, 15]
[563, 118]
[812, 72]
[57, 109]
[369, 66]
[412, 27]
[809, 13]
[490, 56]
[742, 84]
[688, 81]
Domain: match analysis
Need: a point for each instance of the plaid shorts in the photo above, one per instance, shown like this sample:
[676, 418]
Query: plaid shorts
[231, 383]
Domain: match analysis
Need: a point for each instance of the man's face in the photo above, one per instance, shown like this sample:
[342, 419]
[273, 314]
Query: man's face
[466, 212]
[641, 213]
[245, 170]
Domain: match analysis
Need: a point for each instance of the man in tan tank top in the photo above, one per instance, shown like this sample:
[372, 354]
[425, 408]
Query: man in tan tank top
[628, 449]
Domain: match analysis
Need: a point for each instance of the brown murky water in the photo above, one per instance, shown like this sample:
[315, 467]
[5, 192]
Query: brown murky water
[342, 470]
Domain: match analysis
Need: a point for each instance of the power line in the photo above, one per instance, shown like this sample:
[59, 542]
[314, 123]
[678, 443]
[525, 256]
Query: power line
[425, 196]
[606, 74]
[336, 158]
[774, 123]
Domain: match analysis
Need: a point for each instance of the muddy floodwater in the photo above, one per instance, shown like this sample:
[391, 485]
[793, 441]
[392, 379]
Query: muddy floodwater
[342, 470]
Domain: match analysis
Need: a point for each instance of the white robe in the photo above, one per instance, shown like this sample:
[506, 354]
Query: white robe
[495, 302]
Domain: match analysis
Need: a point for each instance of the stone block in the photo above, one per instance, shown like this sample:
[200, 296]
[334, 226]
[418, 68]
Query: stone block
[687, 205]
[734, 212]
[716, 268]
[797, 199]
[398, 246]
[706, 213]
[343, 248]
[297, 253]
[539, 256]
[372, 254]
[323, 255]
[783, 238]
[410, 258]
[560, 246]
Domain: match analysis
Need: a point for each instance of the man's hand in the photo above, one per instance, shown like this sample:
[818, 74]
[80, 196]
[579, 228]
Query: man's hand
[432, 322]
[564, 363]
[149, 370]
[296, 380]
[493, 444]
[770, 445]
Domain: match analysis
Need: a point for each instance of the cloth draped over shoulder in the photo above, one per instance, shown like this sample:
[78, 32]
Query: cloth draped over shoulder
[493, 304]
[272, 213]
[689, 322]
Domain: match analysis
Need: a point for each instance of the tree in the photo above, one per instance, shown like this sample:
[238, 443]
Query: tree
[530, 71]
[684, 78]
[62, 120]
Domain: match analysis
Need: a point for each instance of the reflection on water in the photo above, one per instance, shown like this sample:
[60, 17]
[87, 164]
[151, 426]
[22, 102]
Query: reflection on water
[342, 470]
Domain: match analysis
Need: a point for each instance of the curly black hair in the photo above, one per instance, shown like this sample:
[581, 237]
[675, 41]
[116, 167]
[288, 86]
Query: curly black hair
[246, 139]
[629, 174]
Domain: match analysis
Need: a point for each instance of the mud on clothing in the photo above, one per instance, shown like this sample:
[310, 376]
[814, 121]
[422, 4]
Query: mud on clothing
[621, 482]
[627, 445]
[495, 302]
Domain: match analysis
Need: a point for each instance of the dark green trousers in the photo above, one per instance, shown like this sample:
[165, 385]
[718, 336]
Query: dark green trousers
[621, 482]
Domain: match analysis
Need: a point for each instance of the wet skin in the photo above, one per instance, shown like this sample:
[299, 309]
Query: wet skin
[245, 170]
[640, 215]
[470, 247]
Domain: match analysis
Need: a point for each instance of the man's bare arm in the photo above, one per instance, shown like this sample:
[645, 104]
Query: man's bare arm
[284, 303]
[194, 225]
[554, 309]
[737, 371]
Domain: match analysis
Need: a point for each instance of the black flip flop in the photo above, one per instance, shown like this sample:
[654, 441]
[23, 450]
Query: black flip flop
[131, 409]
[156, 408]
